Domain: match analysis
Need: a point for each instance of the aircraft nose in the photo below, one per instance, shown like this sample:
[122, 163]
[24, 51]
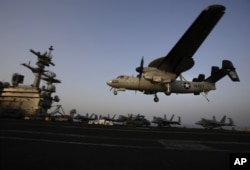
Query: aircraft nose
[109, 82]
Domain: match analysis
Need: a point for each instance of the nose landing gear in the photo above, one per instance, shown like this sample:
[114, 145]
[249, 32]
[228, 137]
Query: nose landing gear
[156, 99]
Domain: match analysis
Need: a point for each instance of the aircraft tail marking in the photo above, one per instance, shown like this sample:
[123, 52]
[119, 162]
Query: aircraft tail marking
[227, 69]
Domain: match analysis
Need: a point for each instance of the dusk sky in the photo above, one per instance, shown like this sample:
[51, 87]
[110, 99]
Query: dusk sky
[97, 40]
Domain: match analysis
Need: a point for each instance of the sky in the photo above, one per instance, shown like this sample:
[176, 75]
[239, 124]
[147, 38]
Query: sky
[97, 40]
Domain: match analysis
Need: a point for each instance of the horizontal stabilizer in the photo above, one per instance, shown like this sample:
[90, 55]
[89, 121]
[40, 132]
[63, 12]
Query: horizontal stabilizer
[227, 69]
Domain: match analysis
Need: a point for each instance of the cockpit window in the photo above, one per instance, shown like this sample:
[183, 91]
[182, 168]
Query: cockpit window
[121, 77]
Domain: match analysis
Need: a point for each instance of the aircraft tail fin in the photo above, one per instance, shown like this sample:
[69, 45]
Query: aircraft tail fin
[90, 115]
[227, 69]
[214, 119]
[113, 118]
[200, 78]
[171, 117]
[231, 123]
[179, 120]
[165, 117]
[223, 119]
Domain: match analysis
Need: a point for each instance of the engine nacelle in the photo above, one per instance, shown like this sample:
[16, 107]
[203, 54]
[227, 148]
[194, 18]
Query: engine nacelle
[158, 76]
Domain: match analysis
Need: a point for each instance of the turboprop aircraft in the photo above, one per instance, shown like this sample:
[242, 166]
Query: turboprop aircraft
[210, 124]
[162, 73]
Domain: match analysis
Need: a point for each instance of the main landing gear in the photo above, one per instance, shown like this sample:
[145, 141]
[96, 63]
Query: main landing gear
[168, 92]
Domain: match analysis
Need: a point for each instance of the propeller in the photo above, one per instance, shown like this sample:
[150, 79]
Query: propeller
[140, 70]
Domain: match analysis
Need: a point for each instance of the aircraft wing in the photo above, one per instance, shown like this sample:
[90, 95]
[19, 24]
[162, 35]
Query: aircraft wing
[179, 59]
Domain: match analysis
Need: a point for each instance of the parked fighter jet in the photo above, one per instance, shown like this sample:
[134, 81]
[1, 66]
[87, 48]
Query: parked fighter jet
[85, 118]
[164, 122]
[162, 73]
[121, 120]
[108, 118]
[137, 120]
[211, 124]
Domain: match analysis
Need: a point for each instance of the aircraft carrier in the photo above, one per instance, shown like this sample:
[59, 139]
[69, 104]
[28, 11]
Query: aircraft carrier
[33, 144]
[33, 100]
[39, 144]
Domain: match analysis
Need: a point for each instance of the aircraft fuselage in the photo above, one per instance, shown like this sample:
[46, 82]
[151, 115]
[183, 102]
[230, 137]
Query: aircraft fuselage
[124, 82]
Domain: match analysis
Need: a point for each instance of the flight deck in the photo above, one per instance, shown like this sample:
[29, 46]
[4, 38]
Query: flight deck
[30, 144]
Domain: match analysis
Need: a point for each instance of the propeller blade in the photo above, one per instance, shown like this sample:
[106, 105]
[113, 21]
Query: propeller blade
[142, 62]
[140, 70]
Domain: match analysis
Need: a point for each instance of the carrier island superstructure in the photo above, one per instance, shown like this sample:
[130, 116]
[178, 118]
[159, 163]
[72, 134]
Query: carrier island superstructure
[30, 100]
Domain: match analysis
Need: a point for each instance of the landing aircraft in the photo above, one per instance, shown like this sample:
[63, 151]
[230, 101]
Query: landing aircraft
[210, 124]
[162, 73]
[164, 122]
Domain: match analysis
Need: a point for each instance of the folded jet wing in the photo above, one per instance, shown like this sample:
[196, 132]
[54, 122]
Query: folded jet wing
[179, 59]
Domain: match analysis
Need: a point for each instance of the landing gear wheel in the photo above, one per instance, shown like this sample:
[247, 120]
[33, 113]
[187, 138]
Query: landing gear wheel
[156, 99]
[115, 92]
